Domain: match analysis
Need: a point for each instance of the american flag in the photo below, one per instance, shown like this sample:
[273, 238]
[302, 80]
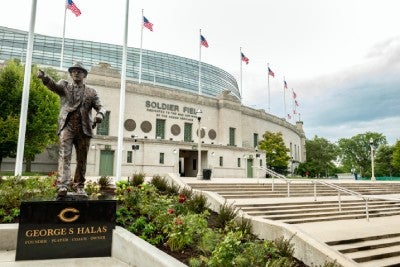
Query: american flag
[245, 59]
[270, 72]
[288, 116]
[147, 23]
[71, 6]
[294, 95]
[203, 41]
[284, 84]
[296, 103]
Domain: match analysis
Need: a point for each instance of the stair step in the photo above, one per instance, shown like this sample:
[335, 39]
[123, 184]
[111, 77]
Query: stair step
[368, 244]
[334, 218]
[375, 254]
[318, 210]
[315, 213]
[386, 262]
[327, 206]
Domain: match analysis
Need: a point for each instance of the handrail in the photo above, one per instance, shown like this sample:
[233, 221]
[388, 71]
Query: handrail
[276, 175]
[366, 198]
[338, 188]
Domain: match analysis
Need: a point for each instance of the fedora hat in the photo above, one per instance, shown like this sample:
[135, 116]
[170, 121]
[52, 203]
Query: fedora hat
[78, 66]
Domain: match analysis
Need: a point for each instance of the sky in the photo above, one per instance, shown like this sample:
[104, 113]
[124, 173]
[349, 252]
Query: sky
[340, 57]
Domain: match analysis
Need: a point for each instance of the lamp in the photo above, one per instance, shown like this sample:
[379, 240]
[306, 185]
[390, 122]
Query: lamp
[199, 114]
[371, 144]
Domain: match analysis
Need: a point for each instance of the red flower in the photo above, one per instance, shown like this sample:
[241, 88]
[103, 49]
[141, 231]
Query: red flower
[182, 198]
[170, 211]
[128, 189]
[139, 186]
[178, 221]
[54, 183]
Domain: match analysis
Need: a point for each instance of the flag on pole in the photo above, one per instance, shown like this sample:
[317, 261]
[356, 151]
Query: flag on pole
[203, 41]
[294, 95]
[289, 117]
[296, 103]
[71, 6]
[270, 72]
[147, 23]
[284, 84]
[245, 59]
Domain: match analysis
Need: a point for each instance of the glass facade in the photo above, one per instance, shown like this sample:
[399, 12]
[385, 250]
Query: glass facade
[157, 68]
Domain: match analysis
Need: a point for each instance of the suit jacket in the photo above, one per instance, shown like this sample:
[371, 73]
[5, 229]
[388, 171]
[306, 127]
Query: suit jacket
[83, 100]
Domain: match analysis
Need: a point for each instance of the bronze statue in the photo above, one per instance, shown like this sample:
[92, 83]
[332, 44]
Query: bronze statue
[74, 125]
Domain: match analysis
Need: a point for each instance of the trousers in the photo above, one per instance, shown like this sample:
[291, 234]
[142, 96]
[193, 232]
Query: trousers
[72, 136]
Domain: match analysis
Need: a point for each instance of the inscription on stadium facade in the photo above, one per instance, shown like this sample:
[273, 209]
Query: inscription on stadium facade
[171, 111]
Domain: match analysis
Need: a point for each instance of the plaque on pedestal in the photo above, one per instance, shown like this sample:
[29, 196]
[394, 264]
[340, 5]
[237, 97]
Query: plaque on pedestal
[65, 229]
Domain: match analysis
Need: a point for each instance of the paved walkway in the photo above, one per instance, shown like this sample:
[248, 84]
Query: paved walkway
[7, 259]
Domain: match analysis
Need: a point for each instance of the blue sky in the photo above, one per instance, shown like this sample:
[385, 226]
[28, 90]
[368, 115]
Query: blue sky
[340, 57]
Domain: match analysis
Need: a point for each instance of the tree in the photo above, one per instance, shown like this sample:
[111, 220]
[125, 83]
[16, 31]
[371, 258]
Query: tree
[41, 128]
[11, 77]
[383, 161]
[355, 152]
[320, 154]
[276, 153]
[396, 157]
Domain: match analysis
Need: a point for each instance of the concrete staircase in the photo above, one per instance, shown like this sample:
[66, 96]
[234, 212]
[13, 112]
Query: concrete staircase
[318, 211]
[337, 220]
[296, 189]
[383, 250]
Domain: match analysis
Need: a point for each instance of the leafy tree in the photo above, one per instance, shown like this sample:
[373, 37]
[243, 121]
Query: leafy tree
[383, 161]
[11, 79]
[396, 157]
[356, 151]
[320, 154]
[276, 153]
[41, 128]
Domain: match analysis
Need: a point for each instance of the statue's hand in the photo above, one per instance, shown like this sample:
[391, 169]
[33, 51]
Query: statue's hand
[98, 118]
[40, 74]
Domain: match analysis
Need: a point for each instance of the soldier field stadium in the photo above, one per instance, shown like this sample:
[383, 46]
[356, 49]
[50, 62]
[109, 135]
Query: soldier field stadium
[161, 119]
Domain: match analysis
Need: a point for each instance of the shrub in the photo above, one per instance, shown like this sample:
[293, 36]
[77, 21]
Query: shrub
[173, 189]
[188, 192]
[92, 189]
[160, 183]
[104, 182]
[186, 230]
[13, 190]
[197, 203]
[227, 213]
[226, 251]
[137, 179]
[209, 241]
[284, 247]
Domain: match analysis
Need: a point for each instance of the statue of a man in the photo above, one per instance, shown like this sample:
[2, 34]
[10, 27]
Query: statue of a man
[75, 125]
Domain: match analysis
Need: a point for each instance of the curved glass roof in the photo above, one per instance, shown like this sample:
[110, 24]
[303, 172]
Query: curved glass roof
[157, 68]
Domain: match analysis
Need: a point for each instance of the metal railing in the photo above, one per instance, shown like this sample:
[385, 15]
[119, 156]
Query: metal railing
[278, 176]
[336, 187]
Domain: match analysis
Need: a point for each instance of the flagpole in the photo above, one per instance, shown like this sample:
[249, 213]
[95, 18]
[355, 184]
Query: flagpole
[122, 94]
[293, 105]
[241, 84]
[284, 97]
[63, 38]
[25, 93]
[269, 93]
[200, 64]
[140, 54]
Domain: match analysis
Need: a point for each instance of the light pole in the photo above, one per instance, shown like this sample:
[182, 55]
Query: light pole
[371, 143]
[199, 113]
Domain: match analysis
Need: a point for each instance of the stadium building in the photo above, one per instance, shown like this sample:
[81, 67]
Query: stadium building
[161, 126]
